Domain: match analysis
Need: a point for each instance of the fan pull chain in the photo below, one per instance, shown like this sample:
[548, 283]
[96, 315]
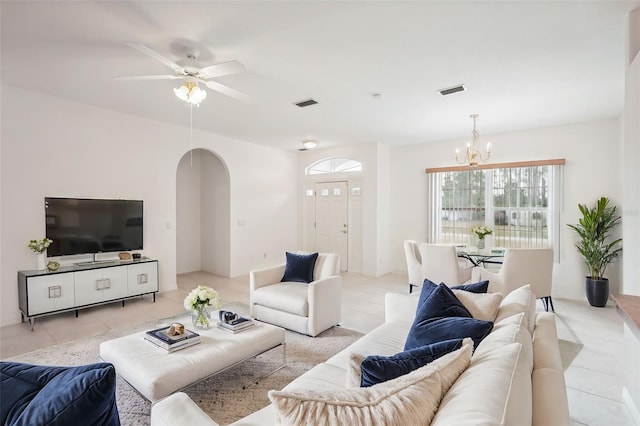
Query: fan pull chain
[191, 132]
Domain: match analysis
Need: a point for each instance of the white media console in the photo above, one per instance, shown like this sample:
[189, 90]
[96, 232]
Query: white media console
[76, 287]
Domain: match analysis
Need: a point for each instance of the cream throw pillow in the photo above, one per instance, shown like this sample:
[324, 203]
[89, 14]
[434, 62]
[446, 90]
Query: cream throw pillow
[482, 306]
[407, 400]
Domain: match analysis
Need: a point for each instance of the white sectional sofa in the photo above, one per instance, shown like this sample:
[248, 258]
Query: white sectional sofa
[504, 384]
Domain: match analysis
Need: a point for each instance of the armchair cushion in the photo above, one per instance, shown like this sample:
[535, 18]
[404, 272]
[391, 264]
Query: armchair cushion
[299, 267]
[292, 297]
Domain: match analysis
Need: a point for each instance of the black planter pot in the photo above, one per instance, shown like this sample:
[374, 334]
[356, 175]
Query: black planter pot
[597, 292]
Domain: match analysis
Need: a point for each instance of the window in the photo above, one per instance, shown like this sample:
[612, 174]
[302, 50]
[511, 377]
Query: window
[518, 201]
[334, 165]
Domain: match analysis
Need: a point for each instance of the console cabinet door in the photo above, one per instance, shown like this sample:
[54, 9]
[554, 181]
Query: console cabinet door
[100, 285]
[143, 278]
[50, 293]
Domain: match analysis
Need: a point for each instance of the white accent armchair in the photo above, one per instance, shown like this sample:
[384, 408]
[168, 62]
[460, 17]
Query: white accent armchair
[440, 264]
[308, 308]
[414, 263]
[520, 267]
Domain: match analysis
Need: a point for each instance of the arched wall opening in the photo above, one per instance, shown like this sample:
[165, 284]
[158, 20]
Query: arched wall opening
[202, 214]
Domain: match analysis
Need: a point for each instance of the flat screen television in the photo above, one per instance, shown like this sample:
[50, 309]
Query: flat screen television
[88, 226]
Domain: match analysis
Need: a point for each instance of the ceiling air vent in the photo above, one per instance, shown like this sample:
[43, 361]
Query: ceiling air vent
[452, 90]
[306, 103]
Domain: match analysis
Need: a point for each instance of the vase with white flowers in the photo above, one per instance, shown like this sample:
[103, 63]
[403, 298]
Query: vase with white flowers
[480, 232]
[198, 301]
[39, 247]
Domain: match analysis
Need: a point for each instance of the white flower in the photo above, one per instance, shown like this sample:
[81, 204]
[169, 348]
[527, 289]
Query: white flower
[202, 295]
[39, 246]
[481, 231]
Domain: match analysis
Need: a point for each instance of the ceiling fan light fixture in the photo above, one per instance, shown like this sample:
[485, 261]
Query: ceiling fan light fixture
[309, 144]
[190, 93]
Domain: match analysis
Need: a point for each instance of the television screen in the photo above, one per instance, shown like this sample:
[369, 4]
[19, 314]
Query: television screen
[84, 226]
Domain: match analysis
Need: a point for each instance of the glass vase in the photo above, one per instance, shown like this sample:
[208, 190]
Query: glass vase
[201, 317]
[480, 243]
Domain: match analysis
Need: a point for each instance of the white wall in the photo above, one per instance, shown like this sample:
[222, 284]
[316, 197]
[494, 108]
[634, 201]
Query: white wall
[188, 213]
[590, 149]
[54, 147]
[215, 221]
[631, 154]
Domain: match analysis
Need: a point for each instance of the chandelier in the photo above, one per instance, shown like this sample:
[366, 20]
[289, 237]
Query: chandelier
[190, 93]
[472, 156]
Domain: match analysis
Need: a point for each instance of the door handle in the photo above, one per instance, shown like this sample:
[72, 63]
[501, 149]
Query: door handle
[344, 231]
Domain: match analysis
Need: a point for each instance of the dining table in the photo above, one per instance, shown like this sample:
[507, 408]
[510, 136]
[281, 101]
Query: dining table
[482, 256]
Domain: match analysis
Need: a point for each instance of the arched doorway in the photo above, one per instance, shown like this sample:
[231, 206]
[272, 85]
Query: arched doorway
[202, 214]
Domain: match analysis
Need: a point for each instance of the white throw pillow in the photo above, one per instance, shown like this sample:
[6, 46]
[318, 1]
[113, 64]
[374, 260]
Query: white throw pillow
[406, 400]
[483, 306]
[519, 300]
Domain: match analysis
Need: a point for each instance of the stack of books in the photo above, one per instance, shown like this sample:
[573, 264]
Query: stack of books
[161, 339]
[236, 325]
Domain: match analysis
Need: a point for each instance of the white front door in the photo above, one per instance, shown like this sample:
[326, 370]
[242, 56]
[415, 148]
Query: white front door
[332, 220]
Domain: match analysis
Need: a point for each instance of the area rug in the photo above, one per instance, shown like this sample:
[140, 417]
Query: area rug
[222, 397]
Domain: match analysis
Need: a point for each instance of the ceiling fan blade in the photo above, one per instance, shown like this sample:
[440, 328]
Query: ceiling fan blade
[226, 90]
[226, 68]
[152, 54]
[149, 77]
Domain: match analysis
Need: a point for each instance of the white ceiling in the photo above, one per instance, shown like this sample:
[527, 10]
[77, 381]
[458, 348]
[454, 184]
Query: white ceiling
[525, 64]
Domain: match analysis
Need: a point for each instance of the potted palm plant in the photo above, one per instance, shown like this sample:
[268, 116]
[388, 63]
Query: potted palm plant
[596, 246]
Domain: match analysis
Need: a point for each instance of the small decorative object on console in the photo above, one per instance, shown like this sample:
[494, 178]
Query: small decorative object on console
[124, 256]
[52, 265]
[197, 302]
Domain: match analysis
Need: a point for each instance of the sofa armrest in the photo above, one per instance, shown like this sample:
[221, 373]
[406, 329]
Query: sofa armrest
[325, 304]
[400, 307]
[266, 276]
[178, 409]
[546, 351]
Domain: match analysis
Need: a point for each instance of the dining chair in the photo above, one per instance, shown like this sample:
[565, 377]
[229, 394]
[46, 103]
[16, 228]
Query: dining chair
[521, 266]
[440, 264]
[414, 263]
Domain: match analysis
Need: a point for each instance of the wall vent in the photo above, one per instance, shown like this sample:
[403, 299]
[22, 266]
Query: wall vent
[452, 90]
[306, 103]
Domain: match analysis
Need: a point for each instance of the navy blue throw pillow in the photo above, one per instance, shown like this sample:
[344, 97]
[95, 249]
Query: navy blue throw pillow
[479, 287]
[428, 331]
[377, 368]
[440, 301]
[428, 286]
[299, 267]
[39, 395]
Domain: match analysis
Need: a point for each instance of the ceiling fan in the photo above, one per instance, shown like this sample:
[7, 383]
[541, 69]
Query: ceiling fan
[190, 71]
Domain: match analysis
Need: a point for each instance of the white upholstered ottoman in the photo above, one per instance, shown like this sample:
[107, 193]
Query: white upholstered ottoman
[156, 374]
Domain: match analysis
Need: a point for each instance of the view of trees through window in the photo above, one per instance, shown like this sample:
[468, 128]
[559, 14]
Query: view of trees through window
[513, 202]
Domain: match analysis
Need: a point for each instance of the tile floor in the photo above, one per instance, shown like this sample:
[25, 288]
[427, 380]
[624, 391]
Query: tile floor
[591, 339]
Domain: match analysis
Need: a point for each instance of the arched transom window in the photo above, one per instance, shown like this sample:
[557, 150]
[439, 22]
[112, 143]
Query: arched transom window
[334, 165]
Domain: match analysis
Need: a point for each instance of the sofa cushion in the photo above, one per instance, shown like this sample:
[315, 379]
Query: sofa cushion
[434, 330]
[299, 267]
[38, 395]
[409, 399]
[484, 393]
[439, 301]
[519, 300]
[375, 369]
[429, 286]
[292, 297]
[479, 287]
[482, 306]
